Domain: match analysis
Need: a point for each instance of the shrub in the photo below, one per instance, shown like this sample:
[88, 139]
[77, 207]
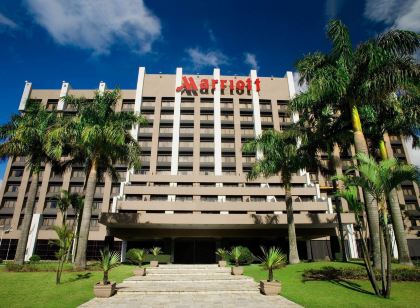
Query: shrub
[223, 254]
[136, 255]
[246, 257]
[34, 259]
[331, 273]
[1, 260]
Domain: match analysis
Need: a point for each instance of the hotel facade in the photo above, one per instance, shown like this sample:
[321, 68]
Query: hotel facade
[191, 195]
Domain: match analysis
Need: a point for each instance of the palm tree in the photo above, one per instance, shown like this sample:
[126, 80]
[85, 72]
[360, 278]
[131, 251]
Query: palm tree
[63, 203]
[26, 136]
[280, 154]
[325, 131]
[65, 237]
[271, 260]
[109, 260]
[349, 193]
[347, 77]
[379, 179]
[396, 115]
[97, 137]
[77, 203]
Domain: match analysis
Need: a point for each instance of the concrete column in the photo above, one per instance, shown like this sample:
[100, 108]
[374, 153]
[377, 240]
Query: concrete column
[25, 95]
[33, 235]
[176, 123]
[217, 126]
[123, 250]
[256, 109]
[65, 86]
[172, 250]
[351, 238]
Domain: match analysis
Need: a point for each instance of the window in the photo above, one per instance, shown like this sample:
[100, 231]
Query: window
[52, 104]
[128, 105]
[209, 198]
[99, 189]
[9, 203]
[6, 221]
[158, 198]
[78, 173]
[48, 222]
[96, 205]
[54, 188]
[76, 189]
[17, 173]
[94, 224]
[52, 204]
[12, 188]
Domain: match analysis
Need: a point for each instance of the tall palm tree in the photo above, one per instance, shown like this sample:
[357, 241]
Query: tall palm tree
[77, 203]
[324, 131]
[349, 194]
[26, 135]
[396, 115]
[281, 154]
[97, 137]
[379, 179]
[347, 77]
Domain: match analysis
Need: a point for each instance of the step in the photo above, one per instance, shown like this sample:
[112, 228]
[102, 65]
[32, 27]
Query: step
[187, 271]
[195, 277]
[186, 266]
[185, 287]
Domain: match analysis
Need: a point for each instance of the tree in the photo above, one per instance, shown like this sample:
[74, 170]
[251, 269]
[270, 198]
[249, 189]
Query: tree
[109, 260]
[281, 154]
[65, 237]
[379, 179]
[349, 193]
[271, 260]
[77, 203]
[325, 131]
[396, 115]
[26, 136]
[347, 77]
[63, 204]
[97, 137]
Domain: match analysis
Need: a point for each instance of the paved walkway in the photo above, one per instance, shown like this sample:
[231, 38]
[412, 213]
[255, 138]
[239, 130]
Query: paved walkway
[178, 286]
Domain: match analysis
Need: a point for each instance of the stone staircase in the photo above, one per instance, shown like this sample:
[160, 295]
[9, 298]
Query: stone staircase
[188, 279]
[189, 286]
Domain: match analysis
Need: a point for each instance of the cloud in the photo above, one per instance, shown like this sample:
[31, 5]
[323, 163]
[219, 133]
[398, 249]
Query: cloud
[333, 8]
[251, 60]
[97, 25]
[394, 13]
[7, 22]
[201, 58]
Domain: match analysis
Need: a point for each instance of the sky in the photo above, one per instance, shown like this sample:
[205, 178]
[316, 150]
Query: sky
[88, 41]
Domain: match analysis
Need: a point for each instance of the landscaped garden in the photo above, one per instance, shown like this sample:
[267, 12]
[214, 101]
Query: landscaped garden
[38, 289]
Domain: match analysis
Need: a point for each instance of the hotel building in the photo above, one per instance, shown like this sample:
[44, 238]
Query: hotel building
[191, 195]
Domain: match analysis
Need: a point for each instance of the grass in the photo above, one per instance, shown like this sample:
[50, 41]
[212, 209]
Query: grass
[343, 293]
[38, 289]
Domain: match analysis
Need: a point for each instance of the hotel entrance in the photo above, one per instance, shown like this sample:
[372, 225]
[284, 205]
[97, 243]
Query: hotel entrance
[194, 251]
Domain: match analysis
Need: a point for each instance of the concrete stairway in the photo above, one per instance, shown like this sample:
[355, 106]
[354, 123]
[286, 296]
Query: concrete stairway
[188, 279]
[176, 286]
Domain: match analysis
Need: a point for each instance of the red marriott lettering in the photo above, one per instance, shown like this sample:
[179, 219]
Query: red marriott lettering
[189, 84]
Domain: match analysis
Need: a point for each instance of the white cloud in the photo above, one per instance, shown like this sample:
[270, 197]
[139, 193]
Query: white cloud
[395, 13]
[7, 22]
[333, 8]
[96, 24]
[251, 60]
[201, 58]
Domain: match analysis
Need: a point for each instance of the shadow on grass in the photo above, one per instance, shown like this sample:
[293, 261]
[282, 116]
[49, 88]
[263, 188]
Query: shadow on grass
[80, 277]
[350, 285]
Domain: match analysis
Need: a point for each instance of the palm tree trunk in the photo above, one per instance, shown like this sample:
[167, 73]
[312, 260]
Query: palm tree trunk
[371, 206]
[388, 262]
[293, 252]
[396, 217]
[270, 275]
[27, 219]
[80, 261]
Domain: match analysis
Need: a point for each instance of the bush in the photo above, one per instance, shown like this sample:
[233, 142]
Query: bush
[246, 257]
[34, 259]
[1, 260]
[331, 273]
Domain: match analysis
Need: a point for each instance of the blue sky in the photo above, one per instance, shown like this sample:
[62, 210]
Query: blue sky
[87, 41]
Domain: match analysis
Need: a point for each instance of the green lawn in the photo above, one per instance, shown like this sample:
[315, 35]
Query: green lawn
[38, 289]
[336, 294]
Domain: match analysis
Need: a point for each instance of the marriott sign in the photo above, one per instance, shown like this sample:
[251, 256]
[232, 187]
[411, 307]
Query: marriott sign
[189, 84]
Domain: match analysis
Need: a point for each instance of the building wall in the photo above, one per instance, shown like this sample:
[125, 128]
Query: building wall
[193, 170]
